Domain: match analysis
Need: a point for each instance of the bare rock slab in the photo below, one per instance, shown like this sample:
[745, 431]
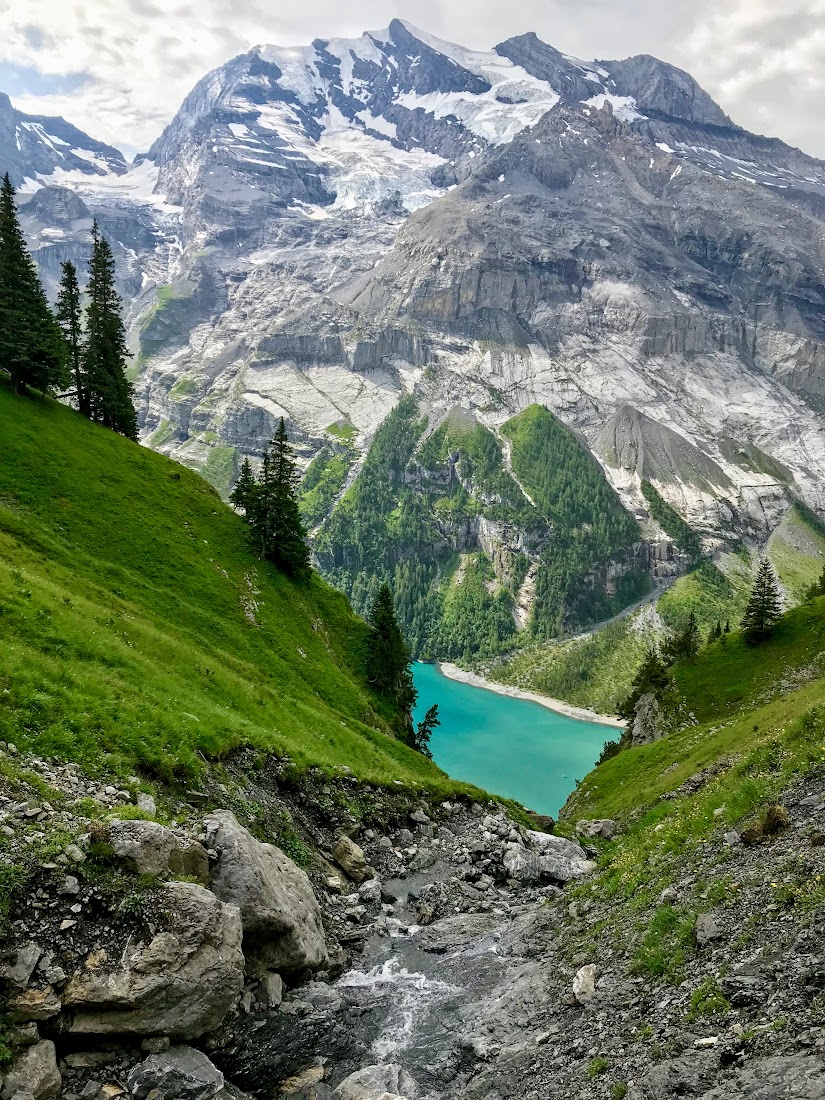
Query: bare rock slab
[282, 926]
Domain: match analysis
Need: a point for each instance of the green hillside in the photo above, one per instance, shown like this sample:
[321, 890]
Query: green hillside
[754, 713]
[137, 631]
[414, 518]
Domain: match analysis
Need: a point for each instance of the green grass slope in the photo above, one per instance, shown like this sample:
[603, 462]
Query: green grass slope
[137, 630]
[752, 710]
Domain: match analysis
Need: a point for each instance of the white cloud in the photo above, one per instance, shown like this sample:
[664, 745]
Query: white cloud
[763, 62]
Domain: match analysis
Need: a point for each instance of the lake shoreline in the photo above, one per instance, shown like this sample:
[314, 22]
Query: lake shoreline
[582, 714]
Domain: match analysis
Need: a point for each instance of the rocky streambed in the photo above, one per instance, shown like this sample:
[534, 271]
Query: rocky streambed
[427, 951]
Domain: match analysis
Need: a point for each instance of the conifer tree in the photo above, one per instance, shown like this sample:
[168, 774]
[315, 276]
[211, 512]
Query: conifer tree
[272, 509]
[290, 550]
[424, 731]
[245, 487]
[684, 643]
[70, 318]
[764, 606]
[388, 662]
[651, 679]
[31, 349]
[104, 360]
[817, 588]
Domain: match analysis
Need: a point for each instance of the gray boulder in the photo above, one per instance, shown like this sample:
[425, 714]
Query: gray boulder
[560, 859]
[181, 983]
[34, 1071]
[386, 1082]
[152, 849]
[707, 929]
[350, 858]
[17, 965]
[521, 863]
[282, 927]
[181, 1073]
[605, 828]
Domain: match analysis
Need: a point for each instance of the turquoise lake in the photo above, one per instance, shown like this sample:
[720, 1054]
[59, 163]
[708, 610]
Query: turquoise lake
[510, 747]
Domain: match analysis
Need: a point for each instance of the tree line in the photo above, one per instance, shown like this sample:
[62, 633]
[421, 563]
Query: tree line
[76, 351]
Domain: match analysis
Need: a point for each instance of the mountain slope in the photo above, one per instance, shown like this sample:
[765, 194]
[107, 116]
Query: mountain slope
[139, 630]
[323, 231]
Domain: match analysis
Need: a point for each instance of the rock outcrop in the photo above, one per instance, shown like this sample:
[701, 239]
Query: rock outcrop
[282, 928]
[181, 983]
[181, 1073]
[33, 1073]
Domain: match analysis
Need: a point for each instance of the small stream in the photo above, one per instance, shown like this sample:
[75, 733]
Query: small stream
[405, 1002]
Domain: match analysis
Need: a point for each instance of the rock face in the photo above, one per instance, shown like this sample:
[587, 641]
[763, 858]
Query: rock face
[178, 1074]
[153, 849]
[33, 1073]
[181, 983]
[282, 928]
[386, 1082]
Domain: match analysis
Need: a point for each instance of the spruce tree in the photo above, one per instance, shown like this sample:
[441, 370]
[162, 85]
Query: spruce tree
[289, 546]
[424, 731]
[104, 360]
[817, 588]
[651, 679]
[70, 318]
[244, 491]
[272, 508]
[684, 643]
[31, 349]
[388, 662]
[764, 606]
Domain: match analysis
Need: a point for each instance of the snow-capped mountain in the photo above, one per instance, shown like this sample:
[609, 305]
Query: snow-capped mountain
[321, 230]
[34, 145]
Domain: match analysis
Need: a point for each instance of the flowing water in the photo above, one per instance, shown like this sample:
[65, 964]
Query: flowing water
[512, 747]
[412, 994]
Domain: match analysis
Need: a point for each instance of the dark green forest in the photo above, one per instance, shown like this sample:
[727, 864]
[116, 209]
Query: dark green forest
[438, 516]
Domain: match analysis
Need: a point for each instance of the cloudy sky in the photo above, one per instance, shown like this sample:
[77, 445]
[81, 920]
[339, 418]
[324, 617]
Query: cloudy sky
[119, 68]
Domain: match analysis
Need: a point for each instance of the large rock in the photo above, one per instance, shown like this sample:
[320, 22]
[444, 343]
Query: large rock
[34, 1072]
[521, 863]
[17, 964]
[560, 859]
[181, 983]
[282, 927]
[386, 1082]
[350, 858]
[605, 828]
[584, 984]
[152, 849]
[181, 1073]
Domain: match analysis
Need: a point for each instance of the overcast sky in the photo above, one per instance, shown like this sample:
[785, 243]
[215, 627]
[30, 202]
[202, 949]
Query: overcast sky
[119, 68]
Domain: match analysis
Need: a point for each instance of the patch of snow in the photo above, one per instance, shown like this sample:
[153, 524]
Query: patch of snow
[624, 106]
[664, 147]
[239, 130]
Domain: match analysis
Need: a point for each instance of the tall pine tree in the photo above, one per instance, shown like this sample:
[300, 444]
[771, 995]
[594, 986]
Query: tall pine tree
[388, 663]
[243, 493]
[104, 359]
[70, 318]
[272, 508]
[764, 606]
[31, 349]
